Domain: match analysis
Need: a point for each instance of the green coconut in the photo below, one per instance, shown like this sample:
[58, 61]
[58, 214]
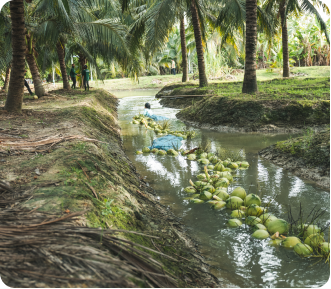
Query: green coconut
[217, 198]
[209, 155]
[219, 167]
[191, 157]
[252, 199]
[222, 194]
[239, 214]
[209, 188]
[205, 195]
[146, 150]
[203, 161]
[314, 240]
[275, 242]
[161, 153]
[252, 220]
[201, 176]
[260, 234]
[203, 156]
[172, 152]
[227, 175]
[139, 152]
[254, 210]
[266, 217]
[190, 190]
[210, 167]
[135, 122]
[303, 249]
[244, 164]
[225, 163]
[212, 202]
[154, 150]
[233, 166]
[290, 242]
[234, 203]
[227, 170]
[213, 159]
[219, 205]
[310, 230]
[325, 247]
[200, 184]
[239, 192]
[223, 182]
[259, 227]
[234, 223]
[278, 225]
[197, 201]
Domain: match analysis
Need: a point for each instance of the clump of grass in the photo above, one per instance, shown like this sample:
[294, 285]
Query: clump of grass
[204, 146]
[165, 124]
[190, 133]
[234, 155]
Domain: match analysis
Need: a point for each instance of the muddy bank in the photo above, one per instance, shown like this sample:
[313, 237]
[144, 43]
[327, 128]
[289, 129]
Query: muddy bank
[281, 105]
[65, 151]
[307, 157]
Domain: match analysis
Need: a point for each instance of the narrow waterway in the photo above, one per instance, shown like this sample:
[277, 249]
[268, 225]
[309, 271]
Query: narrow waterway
[235, 258]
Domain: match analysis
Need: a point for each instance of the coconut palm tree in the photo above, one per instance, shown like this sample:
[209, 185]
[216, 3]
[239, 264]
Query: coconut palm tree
[16, 83]
[184, 50]
[250, 84]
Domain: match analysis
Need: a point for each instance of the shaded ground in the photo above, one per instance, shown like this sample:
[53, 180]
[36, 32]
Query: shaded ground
[63, 155]
[280, 105]
[307, 156]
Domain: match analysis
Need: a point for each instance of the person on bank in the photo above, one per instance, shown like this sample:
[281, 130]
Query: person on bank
[28, 87]
[86, 77]
[173, 67]
[73, 76]
[148, 112]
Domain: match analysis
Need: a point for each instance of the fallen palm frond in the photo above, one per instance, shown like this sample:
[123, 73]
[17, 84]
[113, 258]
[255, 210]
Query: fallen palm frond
[40, 249]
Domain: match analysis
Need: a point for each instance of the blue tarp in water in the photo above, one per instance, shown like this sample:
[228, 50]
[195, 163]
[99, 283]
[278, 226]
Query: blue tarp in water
[154, 117]
[167, 142]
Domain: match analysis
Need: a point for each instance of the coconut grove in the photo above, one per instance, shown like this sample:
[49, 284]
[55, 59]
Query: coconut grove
[164, 143]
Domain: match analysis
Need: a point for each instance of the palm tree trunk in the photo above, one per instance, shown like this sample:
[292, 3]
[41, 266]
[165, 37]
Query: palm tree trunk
[60, 53]
[198, 43]
[286, 63]
[38, 85]
[16, 84]
[5, 86]
[184, 50]
[250, 84]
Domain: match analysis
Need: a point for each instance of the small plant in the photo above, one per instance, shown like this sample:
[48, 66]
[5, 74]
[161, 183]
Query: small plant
[107, 210]
[165, 124]
[234, 156]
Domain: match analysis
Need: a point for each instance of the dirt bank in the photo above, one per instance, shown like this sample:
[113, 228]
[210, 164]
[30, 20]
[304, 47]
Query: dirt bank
[307, 156]
[281, 105]
[64, 156]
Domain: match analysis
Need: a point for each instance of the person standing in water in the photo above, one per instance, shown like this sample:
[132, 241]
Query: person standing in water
[86, 77]
[173, 67]
[73, 76]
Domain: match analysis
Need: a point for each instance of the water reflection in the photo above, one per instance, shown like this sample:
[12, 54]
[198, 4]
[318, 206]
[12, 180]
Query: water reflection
[235, 256]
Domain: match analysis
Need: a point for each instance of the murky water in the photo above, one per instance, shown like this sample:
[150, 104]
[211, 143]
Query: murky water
[236, 258]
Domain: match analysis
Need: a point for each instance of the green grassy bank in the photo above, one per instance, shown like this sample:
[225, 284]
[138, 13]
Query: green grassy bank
[82, 167]
[307, 156]
[280, 104]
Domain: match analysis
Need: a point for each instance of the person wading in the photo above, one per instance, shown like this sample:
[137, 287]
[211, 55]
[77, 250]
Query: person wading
[173, 67]
[73, 76]
[86, 77]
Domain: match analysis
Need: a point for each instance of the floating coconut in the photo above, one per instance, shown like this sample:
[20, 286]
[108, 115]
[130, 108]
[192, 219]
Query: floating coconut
[225, 163]
[135, 122]
[212, 202]
[213, 159]
[210, 167]
[203, 161]
[252, 199]
[259, 227]
[278, 225]
[252, 220]
[139, 152]
[239, 192]
[244, 164]
[205, 195]
[275, 242]
[219, 205]
[303, 249]
[222, 194]
[172, 152]
[200, 184]
[191, 157]
[146, 150]
[234, 203]
[310, 230]
[239, 214]
[201, 176]
[290, 242]
[154, 150]
[234, 223]
[314, 240]
[253, 210]
[325, 247]
[190, 190]
[197, 201]
[219, 167]
[161, 153]
[217, 198]
[227, 170]
[260, 234]
[266, 218]
[209, 188]
[223, 182]
[203, 156]
[233, 166]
